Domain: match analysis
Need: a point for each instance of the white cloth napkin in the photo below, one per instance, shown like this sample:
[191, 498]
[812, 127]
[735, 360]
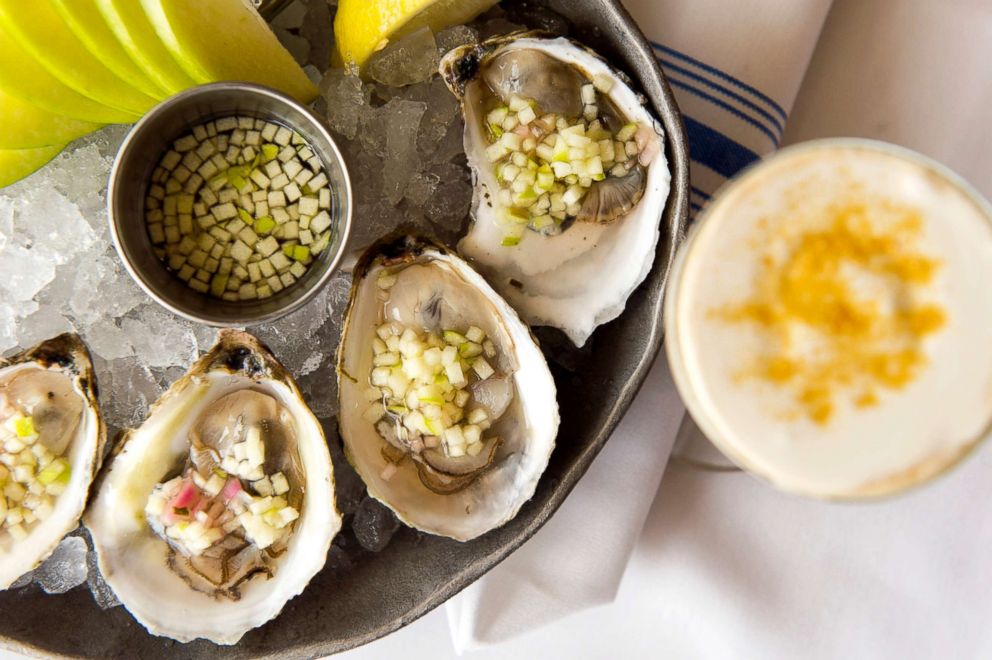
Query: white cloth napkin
[735, 68]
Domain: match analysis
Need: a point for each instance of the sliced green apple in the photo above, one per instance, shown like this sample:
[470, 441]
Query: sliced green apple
[15, 164]
[22, 77]
[85, 19]
[128, 21]
[39, 29]
[25, 126]
[227, 40]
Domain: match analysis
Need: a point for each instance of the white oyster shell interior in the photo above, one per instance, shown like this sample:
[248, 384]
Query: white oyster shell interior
[133, 559]
[433, 292]
[81, 445]
[581, 278]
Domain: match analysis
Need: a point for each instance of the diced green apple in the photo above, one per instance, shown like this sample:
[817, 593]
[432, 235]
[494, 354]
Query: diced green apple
[84, 18]
[25, 126]
[16, 164]
[128, 21]
[39, 30]
[22, 77]
[227, 40]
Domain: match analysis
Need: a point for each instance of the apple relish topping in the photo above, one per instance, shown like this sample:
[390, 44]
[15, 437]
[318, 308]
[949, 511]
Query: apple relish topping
[239, 208]
[554, 169]
[421, 395]
[31, 475]
[196, 510]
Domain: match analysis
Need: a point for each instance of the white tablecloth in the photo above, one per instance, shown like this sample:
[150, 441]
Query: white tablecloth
[728, 568]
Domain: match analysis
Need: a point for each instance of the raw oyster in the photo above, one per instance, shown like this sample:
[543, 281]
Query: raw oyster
[51, 443]
[220, 507]
[448, 408]
[570, 178]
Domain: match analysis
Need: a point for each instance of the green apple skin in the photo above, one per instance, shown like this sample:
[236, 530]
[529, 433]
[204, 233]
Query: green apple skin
[84, 18]
[128, 21]
[26, 126]
[227, 40]
[15, 164]
[39, 30]
[23, 78]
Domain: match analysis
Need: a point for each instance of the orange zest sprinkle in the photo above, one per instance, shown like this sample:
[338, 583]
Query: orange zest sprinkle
[840, 307]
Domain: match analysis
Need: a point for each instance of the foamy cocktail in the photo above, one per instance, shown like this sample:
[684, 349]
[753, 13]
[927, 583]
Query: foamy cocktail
[829, 323]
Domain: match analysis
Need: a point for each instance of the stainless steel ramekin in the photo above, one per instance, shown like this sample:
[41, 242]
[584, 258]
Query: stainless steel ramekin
[139, 155]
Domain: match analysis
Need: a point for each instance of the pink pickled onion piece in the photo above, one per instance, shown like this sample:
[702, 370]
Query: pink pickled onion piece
[188, 495]
[231, 488]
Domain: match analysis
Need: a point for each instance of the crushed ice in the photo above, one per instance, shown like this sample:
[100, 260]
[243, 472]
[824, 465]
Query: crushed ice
[401, 134]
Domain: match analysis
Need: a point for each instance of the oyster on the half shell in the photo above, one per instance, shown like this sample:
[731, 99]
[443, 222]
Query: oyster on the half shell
[448, 408]
[51, 444]
[570, 178]
[220, 507]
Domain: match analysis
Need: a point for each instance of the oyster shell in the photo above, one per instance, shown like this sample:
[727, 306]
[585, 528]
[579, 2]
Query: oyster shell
[51, 436]
[579, 260]
[220, 507]
[484, 432]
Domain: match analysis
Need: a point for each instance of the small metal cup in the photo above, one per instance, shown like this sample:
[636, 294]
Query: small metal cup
[139, 156]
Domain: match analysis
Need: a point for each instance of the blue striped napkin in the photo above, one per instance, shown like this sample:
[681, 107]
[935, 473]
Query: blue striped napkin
[754, 119]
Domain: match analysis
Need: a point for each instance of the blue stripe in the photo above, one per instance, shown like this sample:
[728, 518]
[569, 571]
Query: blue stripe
[699, 192]
[715, 150]
[695, 207]
[729, 108]
[724, 76]
[723, 90]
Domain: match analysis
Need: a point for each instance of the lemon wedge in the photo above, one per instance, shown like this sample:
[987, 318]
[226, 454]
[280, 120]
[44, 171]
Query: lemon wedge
[362, 27]
[24, 125]
[18, 163]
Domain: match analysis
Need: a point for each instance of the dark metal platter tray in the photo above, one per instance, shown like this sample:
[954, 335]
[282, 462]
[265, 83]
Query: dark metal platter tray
[346, 607]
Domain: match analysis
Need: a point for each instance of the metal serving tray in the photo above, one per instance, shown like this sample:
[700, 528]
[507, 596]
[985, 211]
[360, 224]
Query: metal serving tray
[342, 609]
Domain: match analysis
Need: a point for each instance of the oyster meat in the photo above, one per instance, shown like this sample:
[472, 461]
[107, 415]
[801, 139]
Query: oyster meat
[570, 178]
[220, 507]
[51, 444]
[448, 408]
